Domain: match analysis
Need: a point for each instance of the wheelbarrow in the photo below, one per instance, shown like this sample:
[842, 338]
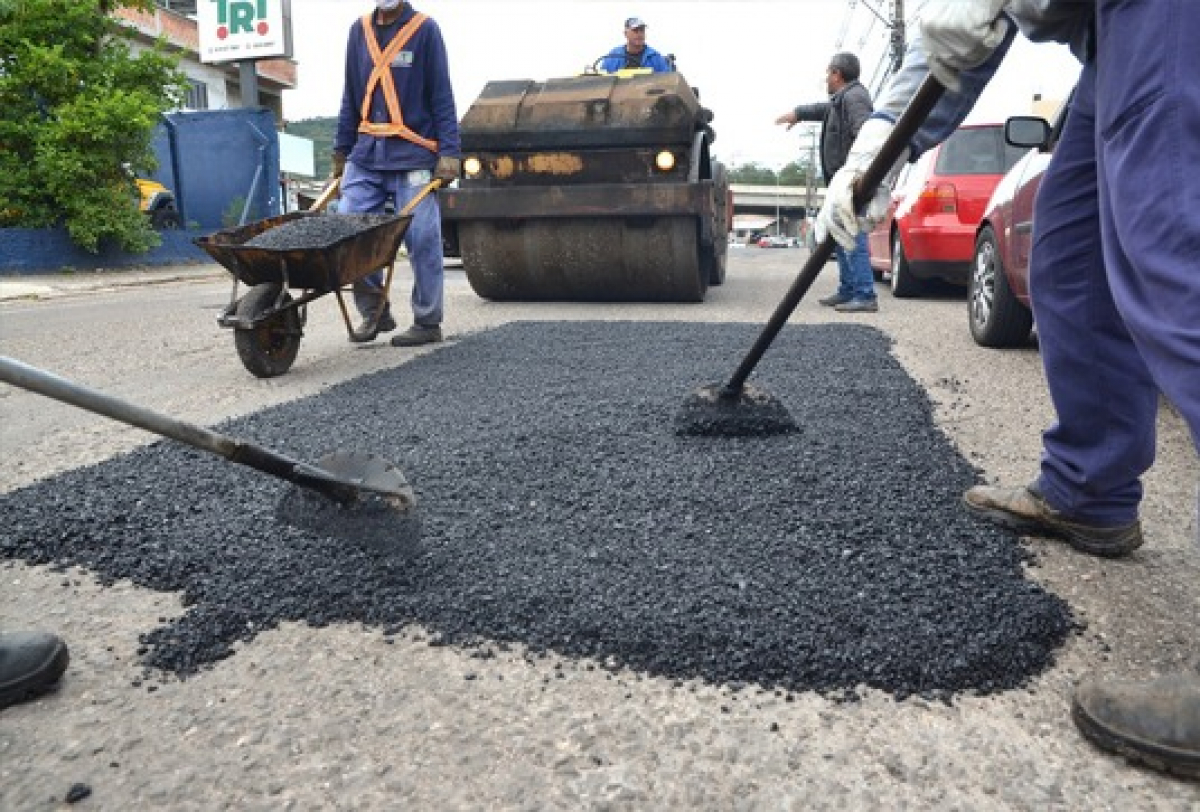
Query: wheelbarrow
[268, 322]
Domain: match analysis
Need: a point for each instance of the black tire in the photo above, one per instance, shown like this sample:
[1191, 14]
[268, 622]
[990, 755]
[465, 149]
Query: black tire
[997, 318]
[165, 219]
[904, 284]
[268, 349]
[717, 260]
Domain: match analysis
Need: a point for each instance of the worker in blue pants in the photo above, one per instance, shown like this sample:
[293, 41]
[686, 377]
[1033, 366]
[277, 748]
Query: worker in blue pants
[398, 130]
[367, 190]
[1115, 282]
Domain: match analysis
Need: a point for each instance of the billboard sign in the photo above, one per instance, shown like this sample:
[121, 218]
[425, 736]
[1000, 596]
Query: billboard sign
[236, 30]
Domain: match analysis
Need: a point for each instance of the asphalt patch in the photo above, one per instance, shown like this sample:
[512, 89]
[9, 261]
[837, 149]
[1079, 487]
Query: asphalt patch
[559, 510]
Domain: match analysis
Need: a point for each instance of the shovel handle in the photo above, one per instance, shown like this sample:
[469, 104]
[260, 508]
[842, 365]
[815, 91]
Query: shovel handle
[910, 121]
[52, 386]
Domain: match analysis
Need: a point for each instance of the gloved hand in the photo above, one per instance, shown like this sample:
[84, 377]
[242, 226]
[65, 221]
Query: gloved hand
[961, 34]
[838, 217]
[337, 165]
[448, 169]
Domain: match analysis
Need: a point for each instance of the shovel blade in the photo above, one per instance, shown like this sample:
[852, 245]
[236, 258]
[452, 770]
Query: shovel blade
[382, 519]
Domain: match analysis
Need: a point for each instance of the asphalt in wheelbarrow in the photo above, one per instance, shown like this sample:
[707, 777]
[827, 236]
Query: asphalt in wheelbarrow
[561, 512]
[316, 233]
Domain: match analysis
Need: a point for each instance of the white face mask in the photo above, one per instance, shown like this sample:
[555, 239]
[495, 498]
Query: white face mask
[388, 5]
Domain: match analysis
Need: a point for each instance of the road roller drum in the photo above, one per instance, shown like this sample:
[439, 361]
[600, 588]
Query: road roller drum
[589, 188]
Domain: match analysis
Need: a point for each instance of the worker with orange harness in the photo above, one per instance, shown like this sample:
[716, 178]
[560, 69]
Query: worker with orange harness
[398, 129]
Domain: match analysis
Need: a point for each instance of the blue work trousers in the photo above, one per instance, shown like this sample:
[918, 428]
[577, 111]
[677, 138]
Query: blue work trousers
[855, 278]
[1115, 267]
[366, 191]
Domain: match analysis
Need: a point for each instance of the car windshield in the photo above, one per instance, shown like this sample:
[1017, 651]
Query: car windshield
[977, 151]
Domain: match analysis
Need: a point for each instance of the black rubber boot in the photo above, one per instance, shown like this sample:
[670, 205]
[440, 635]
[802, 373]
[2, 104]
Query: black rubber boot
[30, 663]
[1152, 723]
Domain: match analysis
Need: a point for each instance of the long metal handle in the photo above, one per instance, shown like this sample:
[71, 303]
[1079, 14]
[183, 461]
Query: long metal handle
[910, 121]
[52, 386]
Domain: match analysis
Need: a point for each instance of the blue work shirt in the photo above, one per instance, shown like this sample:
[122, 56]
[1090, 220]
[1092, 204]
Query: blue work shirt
[422, 76]
[651, 58]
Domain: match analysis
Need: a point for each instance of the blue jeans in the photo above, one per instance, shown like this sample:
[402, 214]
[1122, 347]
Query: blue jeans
[1114, 274]
[366, 191]
[855, 279]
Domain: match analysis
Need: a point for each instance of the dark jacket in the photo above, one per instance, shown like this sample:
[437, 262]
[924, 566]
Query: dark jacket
[422, 79]
[842, 116]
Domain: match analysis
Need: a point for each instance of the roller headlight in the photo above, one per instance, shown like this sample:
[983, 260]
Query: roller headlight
[665, 161]
[472, 167]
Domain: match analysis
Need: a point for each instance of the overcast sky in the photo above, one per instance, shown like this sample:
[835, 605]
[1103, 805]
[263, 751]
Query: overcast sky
[750, 59]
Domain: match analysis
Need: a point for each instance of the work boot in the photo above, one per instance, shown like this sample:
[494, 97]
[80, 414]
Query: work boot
[417, 335]
[1153, 723]
[386, 324]
[1026, 511]
[832, 301]
[858, 306]
[30, 663]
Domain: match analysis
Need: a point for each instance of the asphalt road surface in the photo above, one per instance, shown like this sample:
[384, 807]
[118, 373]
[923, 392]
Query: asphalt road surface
[348, 717]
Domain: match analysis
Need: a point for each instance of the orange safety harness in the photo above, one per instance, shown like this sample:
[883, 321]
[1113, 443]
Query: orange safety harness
[382, 76]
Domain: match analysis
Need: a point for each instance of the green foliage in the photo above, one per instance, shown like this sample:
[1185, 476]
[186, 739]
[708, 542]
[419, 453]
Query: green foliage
[77, 115]
[794, 174]
[321, 131]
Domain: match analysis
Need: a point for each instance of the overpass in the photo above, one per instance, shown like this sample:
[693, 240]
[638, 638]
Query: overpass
[756, 208]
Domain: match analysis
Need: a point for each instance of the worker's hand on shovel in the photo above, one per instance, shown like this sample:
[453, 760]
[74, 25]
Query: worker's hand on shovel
[839, 217]
[448, 169]
[961, 34]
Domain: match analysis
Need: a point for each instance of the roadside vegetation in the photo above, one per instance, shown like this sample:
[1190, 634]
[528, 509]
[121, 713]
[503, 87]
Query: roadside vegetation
[78, 109]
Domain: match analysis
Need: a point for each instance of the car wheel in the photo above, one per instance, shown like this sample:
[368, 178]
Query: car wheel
[165, 219]
[997, 317]
[904, 284]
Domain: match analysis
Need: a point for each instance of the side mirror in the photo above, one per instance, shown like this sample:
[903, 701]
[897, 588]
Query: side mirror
[1027, 131]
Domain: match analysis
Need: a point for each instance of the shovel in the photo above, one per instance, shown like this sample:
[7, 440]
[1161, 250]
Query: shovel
[344, 478]
[735, 409]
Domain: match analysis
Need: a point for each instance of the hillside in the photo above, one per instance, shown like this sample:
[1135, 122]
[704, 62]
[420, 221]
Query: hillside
[321, 132]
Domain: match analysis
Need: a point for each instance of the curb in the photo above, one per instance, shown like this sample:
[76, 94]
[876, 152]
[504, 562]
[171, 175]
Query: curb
[50, 286]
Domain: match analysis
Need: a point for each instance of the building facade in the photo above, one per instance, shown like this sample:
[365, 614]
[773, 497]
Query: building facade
[213, 86]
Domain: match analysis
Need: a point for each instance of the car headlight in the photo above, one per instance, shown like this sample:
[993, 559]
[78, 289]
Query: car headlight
[665, 160]
[472, 167]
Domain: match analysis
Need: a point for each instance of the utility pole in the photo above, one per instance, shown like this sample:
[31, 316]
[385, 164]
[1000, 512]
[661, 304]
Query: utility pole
[808, 176]
[898, 35]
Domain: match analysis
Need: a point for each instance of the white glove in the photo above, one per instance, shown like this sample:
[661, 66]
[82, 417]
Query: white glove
[961, 34]
[838, 217]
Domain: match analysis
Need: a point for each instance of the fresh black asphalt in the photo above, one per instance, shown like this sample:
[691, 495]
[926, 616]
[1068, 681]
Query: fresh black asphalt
[559, 510]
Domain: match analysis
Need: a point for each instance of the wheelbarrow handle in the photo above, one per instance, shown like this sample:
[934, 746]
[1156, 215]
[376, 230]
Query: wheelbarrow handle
[52, 386]
[434, 184]
[331, 191]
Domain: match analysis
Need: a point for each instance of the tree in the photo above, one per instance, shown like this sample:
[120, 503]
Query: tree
[794, 174]
[77, 115]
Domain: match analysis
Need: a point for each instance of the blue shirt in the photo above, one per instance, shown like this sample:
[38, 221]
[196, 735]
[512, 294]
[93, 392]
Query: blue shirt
[422, 76]
[651, 58]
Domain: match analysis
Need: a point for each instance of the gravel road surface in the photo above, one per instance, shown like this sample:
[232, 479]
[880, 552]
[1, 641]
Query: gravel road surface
[396, 714]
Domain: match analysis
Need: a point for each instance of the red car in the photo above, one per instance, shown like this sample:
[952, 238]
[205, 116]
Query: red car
[937, 203]
[998, 292]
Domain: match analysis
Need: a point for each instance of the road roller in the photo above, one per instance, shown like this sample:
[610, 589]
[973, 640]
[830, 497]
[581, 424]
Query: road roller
[599, 187]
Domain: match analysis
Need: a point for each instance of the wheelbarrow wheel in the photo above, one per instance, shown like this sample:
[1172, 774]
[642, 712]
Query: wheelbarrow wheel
[269, 347]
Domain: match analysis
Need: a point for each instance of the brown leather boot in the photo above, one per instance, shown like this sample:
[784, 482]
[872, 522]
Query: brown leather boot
[1027, 511]
[1153, 723]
